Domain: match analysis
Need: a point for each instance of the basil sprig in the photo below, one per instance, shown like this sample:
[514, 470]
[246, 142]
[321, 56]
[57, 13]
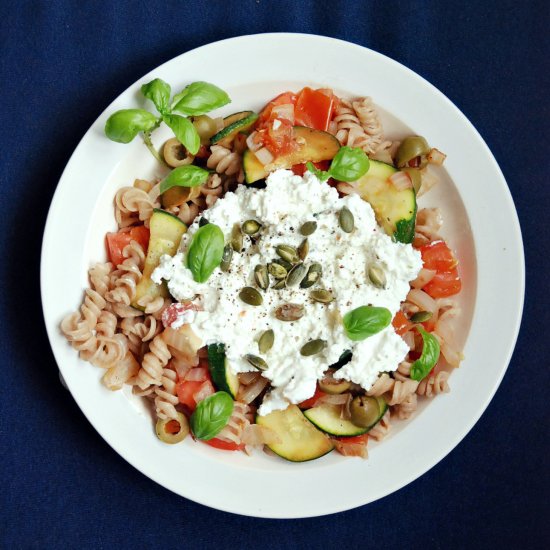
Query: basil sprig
[349, 164]
[429, 357]
[365, 321]
[197, 98]
[184, 176]
[205, 252]
[211, 415]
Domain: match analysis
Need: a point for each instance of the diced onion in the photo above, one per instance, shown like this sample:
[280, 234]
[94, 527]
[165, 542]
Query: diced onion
[424, 277]
[248, 377]
[117, 375]
[256, 435]
[247, 394]
[198, 374]
[337, 399]
[285, 112]
[251, 142]
[203, 392]
[264, 156]
[435, 156]
[351, 449]
[422, 300]
[401, 181]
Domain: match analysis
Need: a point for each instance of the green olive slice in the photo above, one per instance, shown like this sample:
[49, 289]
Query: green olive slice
[410, 148]
[332, 385]
[365, 411]
[172, 430]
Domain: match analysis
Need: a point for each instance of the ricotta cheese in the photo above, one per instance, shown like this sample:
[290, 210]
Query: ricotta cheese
[282, 207]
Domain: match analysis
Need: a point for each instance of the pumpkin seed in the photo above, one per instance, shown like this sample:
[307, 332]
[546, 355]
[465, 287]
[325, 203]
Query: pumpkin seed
[313, 275]
[346, 220]
[251, 296]
[377, 276]
[290, 312]
[279, 284]
[321, 295]
[237, 238]
[261, 277]
[227, 256]
[256, 361]
[303, 249]
[265, 343]
[421, 316]
[288, 253]
[308, 228]
[251, 227]
[296, 275]
[313, 347]
[203, 221]
[284, 263]
[277, 270]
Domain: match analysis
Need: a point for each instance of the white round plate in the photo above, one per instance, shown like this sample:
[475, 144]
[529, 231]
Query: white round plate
[480, 222]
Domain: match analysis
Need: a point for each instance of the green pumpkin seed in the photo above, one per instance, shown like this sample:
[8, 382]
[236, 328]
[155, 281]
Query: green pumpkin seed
[313, 275]
[290, 312]
[313, 347]
[308, 228]
[279, 284]
[321, 295]
[226, 257]
[265, 343]
[421, 316]
[346, 220]
[251, 227]
[284, 263]
[377, 276]
[261, 277]
[277, 271]
[303, 249]
[257, 362]
[296, 275]
[237, 238]
[251, 296]
[288, 253]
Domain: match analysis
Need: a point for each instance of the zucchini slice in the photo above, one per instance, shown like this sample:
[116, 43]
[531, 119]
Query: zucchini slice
[315, 145]
[300, 440]
[327, 418]
[166, 232]
[223, 377]
[395, 209]
[233, 124]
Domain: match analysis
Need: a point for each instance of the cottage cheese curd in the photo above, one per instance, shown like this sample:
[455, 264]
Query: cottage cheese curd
[282, 207]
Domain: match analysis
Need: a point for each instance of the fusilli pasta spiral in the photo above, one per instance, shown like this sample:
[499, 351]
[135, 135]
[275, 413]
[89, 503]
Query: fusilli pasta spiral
[224, 161]
[434, 385]
[153, 363]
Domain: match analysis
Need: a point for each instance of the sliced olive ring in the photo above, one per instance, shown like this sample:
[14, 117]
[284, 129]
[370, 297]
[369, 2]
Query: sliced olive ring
[332, 385]
[410, 148]
[175, 154]
[172, 430]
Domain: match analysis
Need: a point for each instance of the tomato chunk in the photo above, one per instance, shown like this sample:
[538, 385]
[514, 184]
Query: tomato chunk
[281, 99]
[300, 169]
[401, 324]
[116, 242]
[308, 403]
[313, 109]
[438, 256]
[445, 283]
[224, 445]
[355, 439]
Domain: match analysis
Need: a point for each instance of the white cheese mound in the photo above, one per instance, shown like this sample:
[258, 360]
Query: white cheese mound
[282, 207]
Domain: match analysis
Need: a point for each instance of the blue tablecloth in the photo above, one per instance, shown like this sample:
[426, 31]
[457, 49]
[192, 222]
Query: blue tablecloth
[61, 64]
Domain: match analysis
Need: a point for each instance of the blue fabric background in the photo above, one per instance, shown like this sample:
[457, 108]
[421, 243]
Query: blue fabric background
[61, 63]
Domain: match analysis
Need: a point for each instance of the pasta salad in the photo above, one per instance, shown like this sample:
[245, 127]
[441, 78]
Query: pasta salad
[279, 288]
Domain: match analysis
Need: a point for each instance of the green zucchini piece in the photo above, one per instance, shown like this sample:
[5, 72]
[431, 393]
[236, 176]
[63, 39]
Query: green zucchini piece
[395, 209]
[166, 231]
[300, 440]
[316, 146]
[223, 377]
[327, 418]
[233, 124]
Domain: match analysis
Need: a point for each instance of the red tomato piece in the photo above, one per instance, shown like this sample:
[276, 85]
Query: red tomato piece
[174, 311]
[185, 391]
[401, 324]
[300, 169]
[445, 283]
[308, 403]
[281, 99]
[313, 109]
[438, 256]
[355, 439]
[116, 242]
[224, 445]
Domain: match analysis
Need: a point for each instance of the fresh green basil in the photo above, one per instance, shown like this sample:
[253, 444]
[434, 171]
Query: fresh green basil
[158, 92]
[184, 176]
[199, 98]
[321, 174]
[349, 164]
[211, 415]
[365, 321]
[123, 126]
[185, 132]
[205, 252]
[429, 357]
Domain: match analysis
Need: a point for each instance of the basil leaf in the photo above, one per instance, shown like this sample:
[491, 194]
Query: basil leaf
[184, 176]
[184, 131]
[430, 355]
[211, 415]
[205, 252]
[349, 164]
[123, 126]
[321, 174]
[199, 98]
[365, 321]
[158, 92]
